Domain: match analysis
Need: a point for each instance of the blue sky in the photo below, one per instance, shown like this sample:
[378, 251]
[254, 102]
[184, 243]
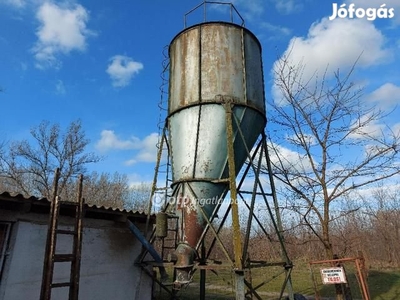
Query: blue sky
[100, 61]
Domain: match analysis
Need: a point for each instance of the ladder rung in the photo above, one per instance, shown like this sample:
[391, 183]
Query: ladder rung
[60, 284]
[72, 257]
[63, 257]
[162, 189]
[63, 231]
[70, 203]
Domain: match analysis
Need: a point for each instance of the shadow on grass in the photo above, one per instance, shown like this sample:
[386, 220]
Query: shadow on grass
[383, 285]
[192, 293]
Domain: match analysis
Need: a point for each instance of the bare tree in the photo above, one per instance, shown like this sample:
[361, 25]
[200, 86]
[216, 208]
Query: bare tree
[3, 181]
[381, 209]
[29, 166]
[139, 196]
[325, 144]
[106, 190]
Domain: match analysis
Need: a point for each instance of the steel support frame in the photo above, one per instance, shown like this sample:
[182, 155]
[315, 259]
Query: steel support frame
[240, 249]
[238, 262]
[237, 241]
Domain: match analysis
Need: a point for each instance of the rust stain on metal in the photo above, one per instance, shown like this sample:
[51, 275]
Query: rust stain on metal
[192, 223]
[206, 166]
[192, 228]
[185, 170]
[183, 46]
[184, 255]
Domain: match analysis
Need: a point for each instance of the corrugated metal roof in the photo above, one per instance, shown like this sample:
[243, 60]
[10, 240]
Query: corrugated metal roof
[4, 196]
[19, 196]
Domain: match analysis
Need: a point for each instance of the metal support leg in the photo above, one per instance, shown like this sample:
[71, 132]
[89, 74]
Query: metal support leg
[239, 285]
[237, 241]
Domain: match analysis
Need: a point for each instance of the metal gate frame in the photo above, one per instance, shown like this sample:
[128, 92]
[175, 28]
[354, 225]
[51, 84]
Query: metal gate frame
[361, 274]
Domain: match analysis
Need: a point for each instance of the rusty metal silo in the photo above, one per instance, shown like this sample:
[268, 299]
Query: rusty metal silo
[216, 112]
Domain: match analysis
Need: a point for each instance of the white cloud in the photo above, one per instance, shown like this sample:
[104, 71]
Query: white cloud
[386, 96]
[308, 138]
[146, 149]
[136, 180]
[396, 129]
[288, 6]
[250, 8]
[333, 45]
[371, 128]
[110, 141]
[275, 30]
[290, 159]
[121, 70]
[60, 87]
[338, 43]
[62, 30]
[15, 3]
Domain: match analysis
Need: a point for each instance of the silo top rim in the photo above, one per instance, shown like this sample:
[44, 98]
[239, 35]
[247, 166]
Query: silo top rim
[233, 11]
[213, 23]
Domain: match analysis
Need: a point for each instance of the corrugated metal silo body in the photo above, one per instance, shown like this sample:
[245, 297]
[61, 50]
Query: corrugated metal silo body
[210, 64]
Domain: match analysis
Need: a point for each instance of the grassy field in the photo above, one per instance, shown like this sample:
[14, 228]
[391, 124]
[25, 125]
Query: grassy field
[383, 284]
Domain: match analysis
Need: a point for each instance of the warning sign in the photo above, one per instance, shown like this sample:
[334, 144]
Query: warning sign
[333, 275]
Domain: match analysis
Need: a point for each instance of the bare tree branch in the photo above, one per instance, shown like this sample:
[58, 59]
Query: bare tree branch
[338, 144]
[30, 166]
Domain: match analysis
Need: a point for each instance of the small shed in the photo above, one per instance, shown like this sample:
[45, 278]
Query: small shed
[109, 250]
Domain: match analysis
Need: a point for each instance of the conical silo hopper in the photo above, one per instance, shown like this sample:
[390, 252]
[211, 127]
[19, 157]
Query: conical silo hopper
[215, 70]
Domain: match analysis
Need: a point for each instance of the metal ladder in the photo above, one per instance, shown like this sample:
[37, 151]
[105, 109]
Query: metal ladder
[51, 257]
